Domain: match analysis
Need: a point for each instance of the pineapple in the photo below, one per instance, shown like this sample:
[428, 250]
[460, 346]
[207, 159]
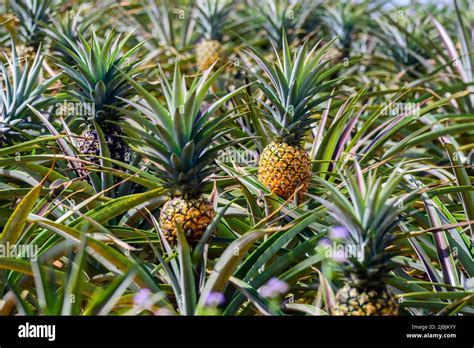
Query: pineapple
[208, 52]
[293, 87]
[367, 220]
[212, 15]
[20, 85]
[285, 167]
[100, 85]
[181, 140]
[356, 301]
[193, 213]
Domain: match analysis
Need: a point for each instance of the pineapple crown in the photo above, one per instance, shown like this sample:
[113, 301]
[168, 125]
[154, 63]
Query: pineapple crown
[99, 72]
[294, 87]
[19, 86]
[180, 138]
[165, 28]
[368, 218]
[401, 39]
[283, 17]
[275, 17]
[32, 15]
[212, 16]
[342, 21]
[63, 30]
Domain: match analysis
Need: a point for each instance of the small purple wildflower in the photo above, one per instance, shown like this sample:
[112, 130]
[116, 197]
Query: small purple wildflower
[142, 297]
[339, 232]
[273, 288]
[214, 299]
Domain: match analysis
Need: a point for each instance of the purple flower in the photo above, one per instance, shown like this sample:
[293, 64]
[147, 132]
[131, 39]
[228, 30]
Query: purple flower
[142, 297]
[339, 232]
[273, 288]
[214, 299]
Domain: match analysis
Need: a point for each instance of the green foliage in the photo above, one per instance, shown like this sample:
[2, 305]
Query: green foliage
[381, 97]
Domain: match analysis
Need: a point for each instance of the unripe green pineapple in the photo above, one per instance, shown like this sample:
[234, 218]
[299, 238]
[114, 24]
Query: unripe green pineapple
[101, 88]
[89, 144]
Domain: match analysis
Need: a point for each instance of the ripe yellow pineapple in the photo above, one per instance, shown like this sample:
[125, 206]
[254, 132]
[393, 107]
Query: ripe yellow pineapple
[193, 214]
[182, 146]
[212, 17]
[284, 168]
[294, 87]
[207, 53]
[355, 302]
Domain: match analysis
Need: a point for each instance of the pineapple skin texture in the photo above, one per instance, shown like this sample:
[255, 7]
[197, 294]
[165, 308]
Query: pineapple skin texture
[207, 52]
[89, 145]
[23, 52]
[26, 52]
[352, 302]
[193, 214]
[283, 168]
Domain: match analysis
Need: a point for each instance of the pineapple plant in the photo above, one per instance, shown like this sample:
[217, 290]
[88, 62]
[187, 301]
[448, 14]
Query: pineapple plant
[406, 98]
[342, 22]
[99, 78]
[165, 27]
[64, 29]
[31, 16]
[211, 18]
[401, 38]
[20, 84]
[284, 17]
[181, 140]
[294, 87]
[366, 228]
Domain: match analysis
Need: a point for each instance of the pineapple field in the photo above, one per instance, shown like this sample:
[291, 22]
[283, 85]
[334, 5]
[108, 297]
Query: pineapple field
[236, 158]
